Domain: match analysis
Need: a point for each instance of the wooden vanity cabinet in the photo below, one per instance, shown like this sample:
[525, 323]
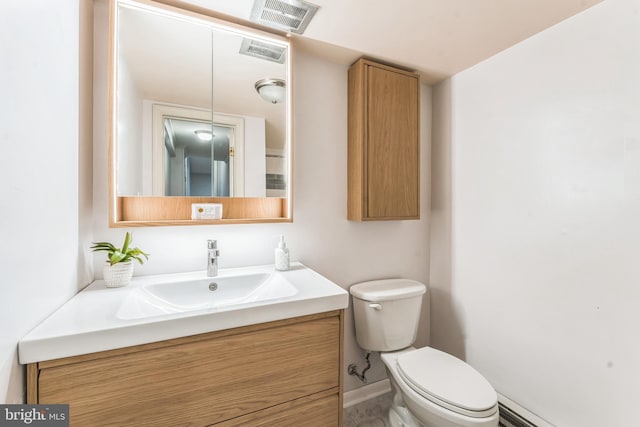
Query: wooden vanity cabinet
[384, 142]
[284, 373]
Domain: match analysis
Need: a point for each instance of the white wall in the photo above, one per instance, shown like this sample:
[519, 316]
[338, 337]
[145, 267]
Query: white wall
[541, 148]
[44, 214]
[320, 236]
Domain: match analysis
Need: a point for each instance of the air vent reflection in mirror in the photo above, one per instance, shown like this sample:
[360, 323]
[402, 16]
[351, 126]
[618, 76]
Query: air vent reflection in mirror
[263, 50]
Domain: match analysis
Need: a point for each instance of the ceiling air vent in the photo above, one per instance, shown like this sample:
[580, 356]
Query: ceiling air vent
[263, 50]
[287, 15]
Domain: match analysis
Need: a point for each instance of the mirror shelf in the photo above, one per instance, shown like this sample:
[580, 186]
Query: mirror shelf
[135, 211]
[143, 191]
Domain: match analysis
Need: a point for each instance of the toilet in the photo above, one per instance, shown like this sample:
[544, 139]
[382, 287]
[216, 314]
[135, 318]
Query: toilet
[431, 388]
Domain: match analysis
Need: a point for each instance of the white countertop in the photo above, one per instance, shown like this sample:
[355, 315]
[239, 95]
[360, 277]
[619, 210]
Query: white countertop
[88, 323]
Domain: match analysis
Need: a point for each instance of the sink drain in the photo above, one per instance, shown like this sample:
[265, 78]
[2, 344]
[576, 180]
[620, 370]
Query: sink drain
[213, 286]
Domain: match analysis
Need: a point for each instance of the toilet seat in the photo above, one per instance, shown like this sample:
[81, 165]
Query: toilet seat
[447, 381]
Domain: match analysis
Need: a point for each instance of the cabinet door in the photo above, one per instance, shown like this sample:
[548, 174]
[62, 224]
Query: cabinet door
[392, 144]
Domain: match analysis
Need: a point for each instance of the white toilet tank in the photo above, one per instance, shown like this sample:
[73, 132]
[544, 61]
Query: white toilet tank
[387, 313]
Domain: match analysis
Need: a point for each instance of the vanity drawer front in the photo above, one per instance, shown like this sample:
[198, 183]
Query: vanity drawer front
[319, 412]
[202, 382]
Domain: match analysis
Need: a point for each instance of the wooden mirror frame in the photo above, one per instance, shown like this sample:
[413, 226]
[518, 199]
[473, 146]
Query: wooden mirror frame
[144, 211]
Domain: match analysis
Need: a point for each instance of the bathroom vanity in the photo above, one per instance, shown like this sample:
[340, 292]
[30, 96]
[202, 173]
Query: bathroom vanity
[190, 367]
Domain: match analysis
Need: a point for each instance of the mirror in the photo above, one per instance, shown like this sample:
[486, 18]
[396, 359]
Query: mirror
[200, 113]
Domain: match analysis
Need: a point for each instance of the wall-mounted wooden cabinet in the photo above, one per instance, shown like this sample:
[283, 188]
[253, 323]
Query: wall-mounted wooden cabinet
[384, 143]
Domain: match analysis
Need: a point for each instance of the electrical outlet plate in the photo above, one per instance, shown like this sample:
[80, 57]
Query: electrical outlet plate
[206, 211]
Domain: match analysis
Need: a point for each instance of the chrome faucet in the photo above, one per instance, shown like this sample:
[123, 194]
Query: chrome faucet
[212, 259]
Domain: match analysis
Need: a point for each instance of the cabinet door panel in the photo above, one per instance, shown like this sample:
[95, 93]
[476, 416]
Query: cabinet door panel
[202, 382]
[392, 157]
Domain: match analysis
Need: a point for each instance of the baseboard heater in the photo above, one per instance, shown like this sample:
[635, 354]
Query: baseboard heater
[510, 418]
[513, 414]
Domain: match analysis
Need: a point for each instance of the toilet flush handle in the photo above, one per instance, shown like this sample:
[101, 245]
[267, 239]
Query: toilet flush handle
[376, 306]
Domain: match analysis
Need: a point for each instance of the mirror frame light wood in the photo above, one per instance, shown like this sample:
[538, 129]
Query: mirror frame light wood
[145, 211]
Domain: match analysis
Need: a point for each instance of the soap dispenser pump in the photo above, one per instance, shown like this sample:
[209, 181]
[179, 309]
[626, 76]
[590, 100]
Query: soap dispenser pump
[282, 255]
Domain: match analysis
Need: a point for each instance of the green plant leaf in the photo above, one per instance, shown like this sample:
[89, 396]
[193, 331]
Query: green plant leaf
[117, 257]
[137, 254]
[127, 241]
[103, 246]
[124, 254]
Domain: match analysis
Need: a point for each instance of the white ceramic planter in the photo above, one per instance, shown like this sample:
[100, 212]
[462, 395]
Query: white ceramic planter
[117, 275]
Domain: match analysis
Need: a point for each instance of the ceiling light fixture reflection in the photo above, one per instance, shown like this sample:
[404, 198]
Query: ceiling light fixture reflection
[204, 135]
[271, 90]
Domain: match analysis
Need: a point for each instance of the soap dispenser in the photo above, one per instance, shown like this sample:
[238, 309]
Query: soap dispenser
[282, 255]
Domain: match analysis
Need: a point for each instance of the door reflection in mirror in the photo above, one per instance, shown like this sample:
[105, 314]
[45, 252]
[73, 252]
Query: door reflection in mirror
[199, 160]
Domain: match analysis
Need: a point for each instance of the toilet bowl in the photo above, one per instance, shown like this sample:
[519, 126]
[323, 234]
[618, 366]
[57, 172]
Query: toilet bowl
[431, 388]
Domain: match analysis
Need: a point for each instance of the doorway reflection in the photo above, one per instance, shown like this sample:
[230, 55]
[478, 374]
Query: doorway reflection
[198, 158]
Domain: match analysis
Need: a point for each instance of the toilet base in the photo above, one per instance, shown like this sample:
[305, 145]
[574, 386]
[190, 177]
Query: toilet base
[396, 420]
[399, 414]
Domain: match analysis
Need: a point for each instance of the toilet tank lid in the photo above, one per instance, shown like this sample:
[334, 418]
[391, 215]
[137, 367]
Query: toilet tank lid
[387, 289]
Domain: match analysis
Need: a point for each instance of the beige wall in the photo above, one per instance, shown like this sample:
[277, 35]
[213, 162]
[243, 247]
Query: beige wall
[535, 218]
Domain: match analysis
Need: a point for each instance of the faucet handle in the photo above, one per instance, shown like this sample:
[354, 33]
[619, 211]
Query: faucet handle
[212, 244]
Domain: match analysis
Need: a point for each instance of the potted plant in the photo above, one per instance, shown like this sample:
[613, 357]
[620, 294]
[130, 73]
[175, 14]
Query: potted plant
[118, 269]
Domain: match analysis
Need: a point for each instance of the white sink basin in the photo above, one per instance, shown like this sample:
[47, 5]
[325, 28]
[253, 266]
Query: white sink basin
[204, 294]
[168, 306]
